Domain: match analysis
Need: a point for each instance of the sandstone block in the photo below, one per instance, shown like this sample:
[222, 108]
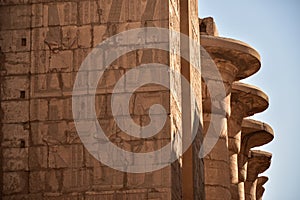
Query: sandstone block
[95, 82]
[106, 178]
[76, 180]
[54, 180]
[62, 13]
[122, 109]
[61, 61]
[160, 193]
[15, 135]
[68, 80]
[49, 85]
[71, 134]
[60, 109]
[79, 56]
[164, 133]
[50, 133]
[15, 159]
[16, 63]
[147, 11]
[15, 41]
[84, 37]
[15, 88]
[40, 61]
[156, 179]
[146, 75]
[70, 37]
[216, 173]
[89, 12]
[112, 11]
[15, 111]
[37, 15]
[217, 193]
[90, 161]
[99, 34]
[67, 156]
[39, 110]
[101, 103]
[38, 157]
[15, 182]
[105, 195]
[39, 36]
[219, 152]
[132, 194]
[16, 17]
[23, 197]
[37, 181]
[64, 196]
[208, 27]
[143, 101]
[13, 2]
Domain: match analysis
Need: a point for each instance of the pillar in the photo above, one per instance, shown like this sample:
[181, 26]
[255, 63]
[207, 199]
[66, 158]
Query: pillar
[246, 100]
[234, 60]
[260, 187]
[259, 162]
[254, 134]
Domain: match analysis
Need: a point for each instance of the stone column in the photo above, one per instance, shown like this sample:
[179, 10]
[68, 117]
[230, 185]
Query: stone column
[254, 134]
[234, 60]
[192, 165]
[246, 100]
[259, 162]
[259, 187]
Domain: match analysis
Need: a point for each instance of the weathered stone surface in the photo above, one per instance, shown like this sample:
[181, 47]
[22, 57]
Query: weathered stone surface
[15, 159]
[67, 156]
[15, 88]
[39, 110]
[37, 181]
[259, 186]
[23, 197]
[15, 41]
[253, 98]
[38, 158]
[105, 178]
[259, 162]
[61, 60]
[208, 27]
[50, 133]
[16, 17]
[15, 135]
[217, 193]
[254, 134]
[76, 180]
[15, 111]
[239, 54]
[16, 63]
[15, 182]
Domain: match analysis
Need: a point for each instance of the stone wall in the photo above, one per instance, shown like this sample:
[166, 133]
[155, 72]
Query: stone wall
[43, 43]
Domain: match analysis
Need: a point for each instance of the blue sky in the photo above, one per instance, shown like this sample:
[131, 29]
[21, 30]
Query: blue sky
[273, 29]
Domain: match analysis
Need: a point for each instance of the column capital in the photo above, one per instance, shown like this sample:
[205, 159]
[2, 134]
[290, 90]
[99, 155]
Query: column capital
[259, 186]
[252, 99]
[259, 162]
[255, 134]
[232, 55]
